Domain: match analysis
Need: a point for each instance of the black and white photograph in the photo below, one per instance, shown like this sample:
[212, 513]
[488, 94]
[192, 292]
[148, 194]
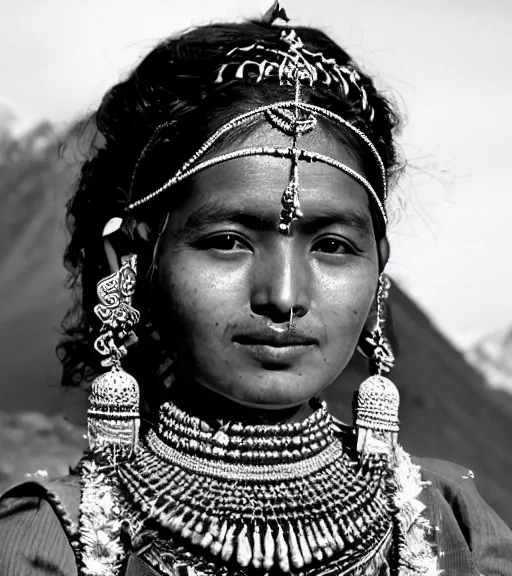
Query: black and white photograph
[255, 288]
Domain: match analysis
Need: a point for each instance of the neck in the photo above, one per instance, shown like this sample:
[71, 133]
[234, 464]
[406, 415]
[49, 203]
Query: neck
[202, 402]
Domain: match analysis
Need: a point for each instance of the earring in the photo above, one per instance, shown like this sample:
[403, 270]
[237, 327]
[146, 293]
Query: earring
[113, 418]
[378, 401]
[375, 346]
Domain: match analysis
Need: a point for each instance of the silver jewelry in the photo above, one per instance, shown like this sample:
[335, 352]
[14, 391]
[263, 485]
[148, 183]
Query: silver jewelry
[113, 416]
[291, 324]
[292, 64]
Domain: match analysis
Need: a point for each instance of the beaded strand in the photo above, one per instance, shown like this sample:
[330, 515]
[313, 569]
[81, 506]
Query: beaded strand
[271, 507]
[188, 169]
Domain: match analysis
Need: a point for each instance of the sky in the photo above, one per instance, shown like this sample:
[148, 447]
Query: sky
[447, 63]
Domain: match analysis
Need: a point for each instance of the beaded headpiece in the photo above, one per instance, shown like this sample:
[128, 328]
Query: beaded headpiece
[290, 64]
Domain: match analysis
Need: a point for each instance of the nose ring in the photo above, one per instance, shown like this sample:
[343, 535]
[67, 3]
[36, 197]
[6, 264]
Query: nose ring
[291, 325]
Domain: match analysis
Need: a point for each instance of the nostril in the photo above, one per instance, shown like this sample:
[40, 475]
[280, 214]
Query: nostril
[275, 314]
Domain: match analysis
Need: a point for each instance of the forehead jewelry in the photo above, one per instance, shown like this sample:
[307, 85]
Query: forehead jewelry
[290, 64]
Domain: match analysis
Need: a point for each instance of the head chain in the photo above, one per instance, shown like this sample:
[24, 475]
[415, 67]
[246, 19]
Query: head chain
[295, 66]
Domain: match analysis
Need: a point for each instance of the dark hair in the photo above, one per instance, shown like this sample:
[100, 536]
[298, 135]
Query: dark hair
[172, 92]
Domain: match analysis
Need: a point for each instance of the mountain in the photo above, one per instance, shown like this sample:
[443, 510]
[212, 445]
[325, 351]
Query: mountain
[34, 182]
[447, 409]
[13, 122]
[492, 356]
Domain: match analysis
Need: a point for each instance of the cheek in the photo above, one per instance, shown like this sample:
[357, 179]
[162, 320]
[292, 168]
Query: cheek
[200, 299]
[345, 300]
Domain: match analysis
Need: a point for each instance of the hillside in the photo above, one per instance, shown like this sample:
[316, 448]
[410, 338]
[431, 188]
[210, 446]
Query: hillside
[448, 411]
[492, 356]
[34, 183]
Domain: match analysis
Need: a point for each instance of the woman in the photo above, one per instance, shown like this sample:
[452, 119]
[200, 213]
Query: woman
[227, 251]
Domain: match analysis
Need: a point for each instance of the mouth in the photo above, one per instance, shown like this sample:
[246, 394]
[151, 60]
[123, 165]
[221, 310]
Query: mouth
[275, 338]
[275, 347]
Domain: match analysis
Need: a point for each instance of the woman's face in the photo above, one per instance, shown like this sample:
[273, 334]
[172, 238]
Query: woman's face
[227, 279]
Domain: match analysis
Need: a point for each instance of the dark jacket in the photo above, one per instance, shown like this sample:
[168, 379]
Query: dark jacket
[471, 539]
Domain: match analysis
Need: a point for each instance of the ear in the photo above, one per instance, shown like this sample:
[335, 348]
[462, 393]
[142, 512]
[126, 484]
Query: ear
[383, 253]
[116, 242]
[110, 230]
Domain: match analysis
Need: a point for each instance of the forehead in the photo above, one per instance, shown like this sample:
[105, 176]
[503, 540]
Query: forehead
[256, 183]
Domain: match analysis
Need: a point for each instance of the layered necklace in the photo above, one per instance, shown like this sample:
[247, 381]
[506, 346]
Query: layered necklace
[238, 499]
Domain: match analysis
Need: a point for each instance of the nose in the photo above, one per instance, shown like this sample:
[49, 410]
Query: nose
[280, 283]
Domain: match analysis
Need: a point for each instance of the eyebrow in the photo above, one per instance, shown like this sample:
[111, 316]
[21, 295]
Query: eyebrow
[213, 213]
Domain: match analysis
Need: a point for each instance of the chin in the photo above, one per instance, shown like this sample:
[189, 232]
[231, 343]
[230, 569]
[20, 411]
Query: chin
[274, 395]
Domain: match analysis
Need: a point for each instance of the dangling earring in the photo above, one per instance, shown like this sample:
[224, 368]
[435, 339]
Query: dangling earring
[113, 417]
[375, 345]
[378, 400]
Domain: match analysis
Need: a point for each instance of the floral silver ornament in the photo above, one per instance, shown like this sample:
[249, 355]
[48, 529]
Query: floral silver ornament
[113, 416]
[378, 399]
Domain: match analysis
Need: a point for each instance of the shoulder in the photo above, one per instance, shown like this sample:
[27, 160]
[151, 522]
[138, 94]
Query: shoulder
[462, 518]
[457, 486]
[37, 526]
[453, 483]
[442, 473]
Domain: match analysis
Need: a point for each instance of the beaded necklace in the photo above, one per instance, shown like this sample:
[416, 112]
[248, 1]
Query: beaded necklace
[236, 500]
[282, 497]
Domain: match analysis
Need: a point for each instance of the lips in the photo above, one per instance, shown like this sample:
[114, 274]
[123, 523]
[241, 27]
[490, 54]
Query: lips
[274, 347]
[276, 338]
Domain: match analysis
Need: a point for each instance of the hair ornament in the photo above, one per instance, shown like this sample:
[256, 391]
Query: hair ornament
[291, 64]
[275, 12]
[113, 225]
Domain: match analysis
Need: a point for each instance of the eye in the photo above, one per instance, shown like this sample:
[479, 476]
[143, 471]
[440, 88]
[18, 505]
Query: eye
[331, 246]
[224, 242]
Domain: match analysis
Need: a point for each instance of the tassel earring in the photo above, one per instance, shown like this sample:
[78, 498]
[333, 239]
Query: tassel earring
[378, 401]
[113, 418]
